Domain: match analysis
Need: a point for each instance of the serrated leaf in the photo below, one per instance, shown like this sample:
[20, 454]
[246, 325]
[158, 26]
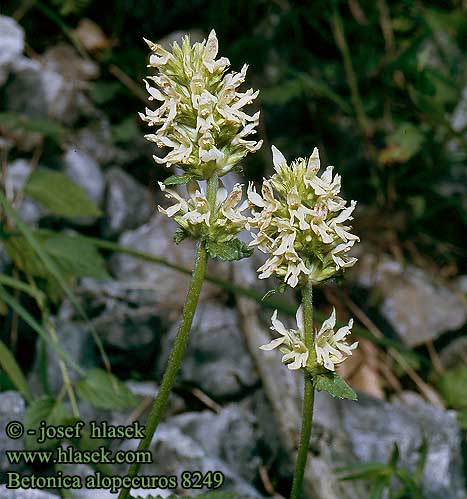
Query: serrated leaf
[103, 390]
[60, 195]
[44, 409]
[453, 387]
[179, 235]
[178, 179]
[235, 249]
[333, 384]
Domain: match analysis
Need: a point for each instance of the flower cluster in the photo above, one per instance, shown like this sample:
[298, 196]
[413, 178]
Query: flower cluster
[200, 117]
[196, 218]
[301, 222]
[330, 347]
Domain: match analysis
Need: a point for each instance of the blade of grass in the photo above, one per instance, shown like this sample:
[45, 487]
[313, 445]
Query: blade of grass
[54, 271]
[21, 286]
[31, 321]
[10, 366]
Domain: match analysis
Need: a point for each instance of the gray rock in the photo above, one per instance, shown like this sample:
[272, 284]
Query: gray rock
[231, 436]
[40, 92]
[12, 408]
[127, 205]
[217, 360]
[16, 176]
[85, 171]
[177, 452]
[148, 283]
[126, 325]
[11, 45]
[25, 494]
[419, 307]
[372, 426]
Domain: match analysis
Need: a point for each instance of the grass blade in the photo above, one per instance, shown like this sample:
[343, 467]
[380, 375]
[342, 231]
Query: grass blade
[10, 366]
[31, 321]
[22, 286]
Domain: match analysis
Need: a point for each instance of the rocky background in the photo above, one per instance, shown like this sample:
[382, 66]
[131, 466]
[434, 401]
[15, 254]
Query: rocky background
[70, 90]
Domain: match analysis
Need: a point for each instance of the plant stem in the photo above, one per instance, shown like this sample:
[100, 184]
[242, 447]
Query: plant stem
[178, 351]
[308, 398]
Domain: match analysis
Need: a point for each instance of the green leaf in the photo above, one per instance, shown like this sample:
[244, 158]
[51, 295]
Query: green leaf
[178, 179]
[235, 249]
[56, 192]
[15, 374]
[179, 235]
[44, 409]
[75, 256]
[453, 387]
[333, 384]
[402, 145]
[462, 419]
[103, 390]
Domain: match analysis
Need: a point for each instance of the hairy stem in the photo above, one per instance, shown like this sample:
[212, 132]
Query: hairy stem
[308, 398]
[179, 347]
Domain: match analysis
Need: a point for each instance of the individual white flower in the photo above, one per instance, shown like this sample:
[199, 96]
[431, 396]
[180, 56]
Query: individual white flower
[200, 117]
[195, 216]
[290, 342]
[301, 222]
[331, 347]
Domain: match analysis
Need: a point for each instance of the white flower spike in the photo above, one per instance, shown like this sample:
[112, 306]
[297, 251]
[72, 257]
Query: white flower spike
[290, 342]
[301, 222]
[331, 347]
[200, 117]
[196, 218]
